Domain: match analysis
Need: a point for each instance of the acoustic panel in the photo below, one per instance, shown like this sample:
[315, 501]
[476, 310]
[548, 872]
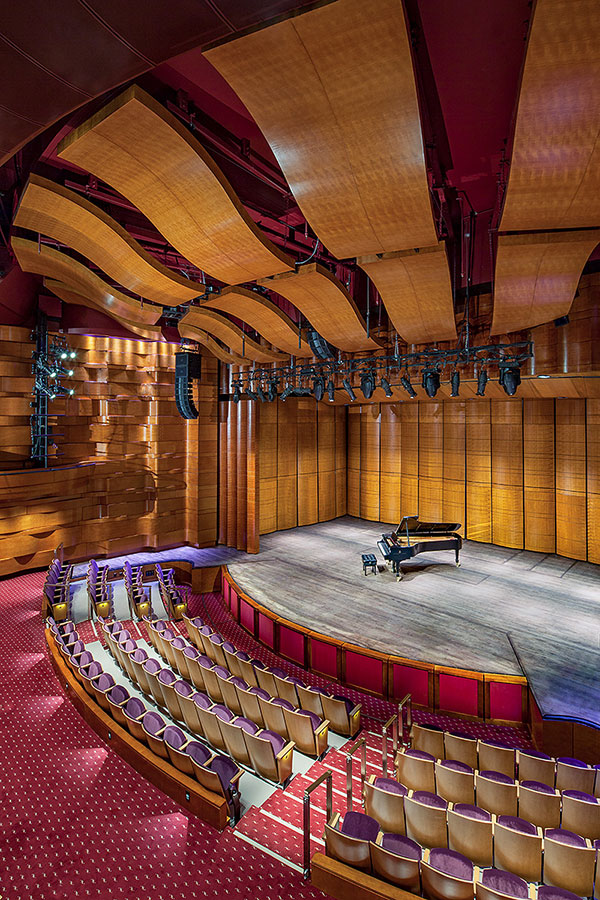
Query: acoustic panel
[537, 276]
[231, 335]
[327, 305]
[333, 91]
[415, 288]
[144, 152]
[53, 210]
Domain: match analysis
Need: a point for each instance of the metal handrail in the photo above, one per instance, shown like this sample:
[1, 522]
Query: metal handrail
[405, 719]
[328, 777]
[362, 743]
[392, 723]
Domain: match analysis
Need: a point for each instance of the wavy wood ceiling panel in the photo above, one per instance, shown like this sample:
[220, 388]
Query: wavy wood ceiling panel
[44, 260]
[217, 325]
[69, 295]
[54, 210]
[263, 316]
[554, 179]
[415, 287]
[537, 276]
[333, 90]
[223, 354]
[144, 152]
[327, 305]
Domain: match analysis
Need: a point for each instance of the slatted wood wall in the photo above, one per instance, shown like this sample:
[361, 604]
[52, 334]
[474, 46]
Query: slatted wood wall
[127, 471]
[302, 463]
[519, 473]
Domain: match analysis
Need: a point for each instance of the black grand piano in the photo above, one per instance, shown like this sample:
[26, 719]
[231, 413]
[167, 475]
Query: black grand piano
[412, 537]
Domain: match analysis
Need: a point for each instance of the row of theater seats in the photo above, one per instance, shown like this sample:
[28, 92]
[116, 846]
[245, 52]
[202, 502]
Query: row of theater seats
[97, 590]
[305, 729]
[501, 794]
[442, 873]
[215, 772]
[343, 715]
[562, 857]
[139, 601]
[563, 773]
[57, 590]
[172, 596]
[263, 750]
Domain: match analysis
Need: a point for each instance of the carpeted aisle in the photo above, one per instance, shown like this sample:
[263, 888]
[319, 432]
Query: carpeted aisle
[78, 822]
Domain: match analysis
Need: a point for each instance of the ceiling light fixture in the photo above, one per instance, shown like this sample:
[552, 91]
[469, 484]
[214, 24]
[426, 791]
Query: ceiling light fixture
[405, 382]
[510, 379]
[482, 380]
[386, 387]
[455, 383]
[349, 390]
[431, 382]
[331, 390]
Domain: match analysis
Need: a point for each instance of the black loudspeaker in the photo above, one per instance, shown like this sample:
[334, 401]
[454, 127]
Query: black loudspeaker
[187, 367]
[319, 345]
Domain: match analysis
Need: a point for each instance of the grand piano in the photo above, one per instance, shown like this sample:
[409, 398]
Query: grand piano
[413, 537]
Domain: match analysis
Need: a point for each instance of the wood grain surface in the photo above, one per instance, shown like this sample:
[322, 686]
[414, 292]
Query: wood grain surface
[200, 317]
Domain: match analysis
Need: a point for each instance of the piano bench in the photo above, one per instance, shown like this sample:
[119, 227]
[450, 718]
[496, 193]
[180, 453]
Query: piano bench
[369, 561]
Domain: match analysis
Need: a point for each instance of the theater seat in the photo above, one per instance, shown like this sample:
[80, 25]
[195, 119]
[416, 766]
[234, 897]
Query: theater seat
[447, 875]
[176, 743]
[496, 792]
[154, 726]
[539, 803]
[306, 730]
[152, 668]
[231, 660]
[88, 674]
[581, 814]
[220, 775]
[233, 735]
[569, 861]
[425, 815]
[574, 775]
[178, 645]
[266, 679]
[343, 714]
[212, 680]
[101, 686]
[286, 687]
[518, 847]
[273, 714]
[134, 711]
[166, 680]
[429, 738]
[348, 839]
[536, 766]
[547, 892]
[250, 703]
[217, 650]
[396, 858]
[210, 725]
[117, 698]
[310, 698]
[496, 756]
[185, 696]
[192, 657]
[384, 801]
[230, 694]
[495, 884]
[471, 832]
[416, 769]
[271, 756]
[247, 670]
[455, 781]
[462, 747]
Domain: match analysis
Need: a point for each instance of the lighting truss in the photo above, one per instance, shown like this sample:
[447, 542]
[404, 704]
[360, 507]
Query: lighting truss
[52, 361]
[300, 379]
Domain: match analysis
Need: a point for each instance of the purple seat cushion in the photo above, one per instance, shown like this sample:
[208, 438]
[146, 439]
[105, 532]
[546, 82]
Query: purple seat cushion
[505, 883]
[264, 695]
[349, 704]
[258, 664]
[191, 653]
[538, 786]
[457, 766]
[246, 724]
[197, 622]
[128, 646]
[198, 752]
[276, 741]
[517, 824]
[277, 701]
[85, 659]
[225, 769]
[565, 837]
[206, 630]
[216, 638]
[134, 708]
[105, 681]
[139, 655]
[295, 681]
[178, 643]
[547, 892]
[223, 712]
[93, 670]
[401, 846]
[429, 726]
[472, 812]
[420, 754]
[227, 645]
[152, 666]
[275, 670]
[580, 795]
[535, 753]
[202, 701]
[76, 648]
[239, 682]
[390, 785]
[360, 825]
[168, 635]
[569, 761]
[152, 722]
[205, 661]
[174, 736]
[241, 654]
[497, 776]
[183, 688]
[429, 799]
[118, 694]
[222, 672]
[318, 690]
[165, 676]
[123, 636]
[450, 862]
[314, 718]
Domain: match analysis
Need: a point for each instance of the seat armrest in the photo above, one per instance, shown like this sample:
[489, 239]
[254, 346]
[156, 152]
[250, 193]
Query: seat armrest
[234, 780]
[355, 711]
[334, 820]
[285, 750]
[324, 726]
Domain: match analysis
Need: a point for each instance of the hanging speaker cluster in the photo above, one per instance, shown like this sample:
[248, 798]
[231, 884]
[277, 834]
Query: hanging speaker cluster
[319, 345]
[187, 368]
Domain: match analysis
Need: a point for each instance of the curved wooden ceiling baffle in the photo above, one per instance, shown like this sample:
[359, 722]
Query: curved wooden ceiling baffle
[404, 279]
[144, 152]
[59, 213]
[554, 180]
[69, 295]
[204, 319]
[537, 276]
[221, 353]
[327, 305]
[44, 260]
[262, 315]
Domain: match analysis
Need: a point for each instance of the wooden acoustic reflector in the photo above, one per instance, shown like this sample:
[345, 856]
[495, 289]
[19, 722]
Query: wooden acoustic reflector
[207, 320]
[138, 147]
[44, 260]
[327, 305]
[67, 217]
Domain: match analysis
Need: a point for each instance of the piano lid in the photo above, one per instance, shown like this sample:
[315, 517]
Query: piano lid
[412, 524]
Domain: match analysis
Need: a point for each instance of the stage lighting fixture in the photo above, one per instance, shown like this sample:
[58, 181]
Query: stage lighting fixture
[287, 391]
[482, 382]
[250, 393]
[319, 389]
[367, 384]
[302, 392]
[431, 382]
[405, 382]
[510, 379]
[349, 390]
[386, 387]
[72, 354]
[64, 354]
[52, 374]
[455, 383]
[272, 391]
[331, 390]
[71, 392]
[261, 394]
[236, 394]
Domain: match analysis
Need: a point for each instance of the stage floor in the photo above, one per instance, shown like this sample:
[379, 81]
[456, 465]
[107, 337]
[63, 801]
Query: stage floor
[503, 611]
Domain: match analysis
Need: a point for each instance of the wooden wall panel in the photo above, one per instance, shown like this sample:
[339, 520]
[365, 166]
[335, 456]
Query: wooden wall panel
[267, 467]
[308, 500]
[593, 480]
[353, 474]
[454, 494]
[390, 455]
[478, 461]
[431, 448]
[341, 445]
[326, 462]
[409, 463]
[571, 478]
[538, 475]
[507, 472]
[287, 463]
[370, 421]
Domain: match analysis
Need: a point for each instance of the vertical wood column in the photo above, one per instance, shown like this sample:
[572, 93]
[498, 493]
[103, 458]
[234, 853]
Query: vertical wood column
[341, 474]
[453, 492]
[243, 414]
[370, 420]
[431, 448]
[538, 475]
[390, 453]
[409, 471]
[593, 479]
[252, 478]
[326, 461]
[507, 472]
[479, 480]
[354, 460]
[571, 518]
[231, 490]
[223, 416]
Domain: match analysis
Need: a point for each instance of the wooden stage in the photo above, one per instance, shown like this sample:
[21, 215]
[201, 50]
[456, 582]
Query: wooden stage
[503, 611]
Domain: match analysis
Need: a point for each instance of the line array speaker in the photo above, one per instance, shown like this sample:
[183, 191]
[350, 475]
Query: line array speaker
[187, 367]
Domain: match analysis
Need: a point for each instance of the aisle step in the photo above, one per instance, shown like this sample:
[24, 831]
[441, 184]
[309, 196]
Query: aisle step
[278, 836]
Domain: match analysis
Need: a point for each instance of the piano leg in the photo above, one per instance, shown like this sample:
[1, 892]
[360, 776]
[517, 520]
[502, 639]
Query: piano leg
[397, 571]
[457, 552]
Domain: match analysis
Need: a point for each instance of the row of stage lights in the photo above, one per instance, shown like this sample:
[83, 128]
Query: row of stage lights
[320, 379]
[49, 367]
